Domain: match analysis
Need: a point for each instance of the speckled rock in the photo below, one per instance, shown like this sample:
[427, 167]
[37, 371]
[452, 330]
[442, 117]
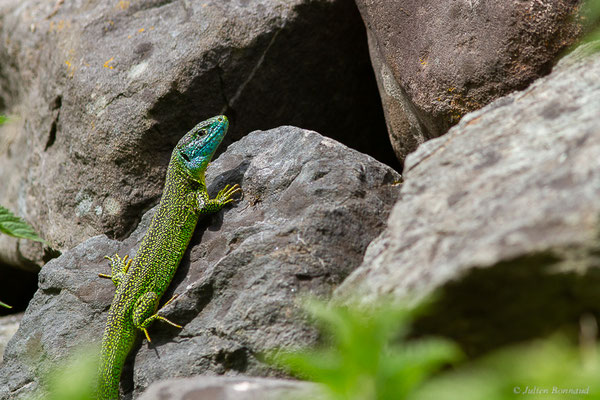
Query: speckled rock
[436, 60]
[310, 208]
[502, 216]
[8, 326]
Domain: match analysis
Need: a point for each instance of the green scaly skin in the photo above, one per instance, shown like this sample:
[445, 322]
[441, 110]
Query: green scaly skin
[141, 281]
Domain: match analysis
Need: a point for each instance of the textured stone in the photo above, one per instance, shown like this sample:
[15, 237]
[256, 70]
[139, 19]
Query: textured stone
[501, 214]
[226, 388]
[102, 91]
[436, 60]
[310, 208]
[8, 326]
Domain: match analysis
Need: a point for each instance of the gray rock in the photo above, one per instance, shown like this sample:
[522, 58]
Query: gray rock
[502, 215]
[103, 90]
[227, 388]
[8, 326]
[310, 208]
[436, 60]
[64, 313]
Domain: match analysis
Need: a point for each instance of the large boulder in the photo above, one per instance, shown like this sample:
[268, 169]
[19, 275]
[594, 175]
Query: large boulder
[436, 60]
[501, 216]
[310, 208]
[103, 90]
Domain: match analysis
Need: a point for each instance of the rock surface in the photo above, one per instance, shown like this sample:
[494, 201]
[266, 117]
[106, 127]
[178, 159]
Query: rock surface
[103, 90]
[8, 326]
[226, 388]
[501, 214]
[310, 208]
[436, 60]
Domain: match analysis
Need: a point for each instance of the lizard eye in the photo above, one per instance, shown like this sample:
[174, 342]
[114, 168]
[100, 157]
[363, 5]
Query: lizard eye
[185, 157]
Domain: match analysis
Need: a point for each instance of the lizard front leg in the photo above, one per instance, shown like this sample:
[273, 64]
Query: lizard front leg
[206, 205]
[199, 203]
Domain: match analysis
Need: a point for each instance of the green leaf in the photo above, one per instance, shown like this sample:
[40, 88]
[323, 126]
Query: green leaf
[4, 305]
[70, 377]
[14, 226]
[366, 354]
[3, 119]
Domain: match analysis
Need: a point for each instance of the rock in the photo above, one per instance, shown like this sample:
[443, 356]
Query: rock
[437, 60]
[8, 326]
[227, 388]
[309, 210]
[103, 91]
[65, 312]
[502, 216]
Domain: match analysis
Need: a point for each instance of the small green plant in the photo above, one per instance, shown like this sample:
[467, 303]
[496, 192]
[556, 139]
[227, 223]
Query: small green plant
[14, 226]
[551, 368]
[368, 355]
[590, 13]
[73, 378]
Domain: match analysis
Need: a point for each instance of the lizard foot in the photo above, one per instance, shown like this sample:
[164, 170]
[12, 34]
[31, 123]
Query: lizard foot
[118, 267]
[144, 312]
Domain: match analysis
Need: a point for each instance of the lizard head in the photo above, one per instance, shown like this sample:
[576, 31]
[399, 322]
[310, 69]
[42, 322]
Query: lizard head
[195, 150]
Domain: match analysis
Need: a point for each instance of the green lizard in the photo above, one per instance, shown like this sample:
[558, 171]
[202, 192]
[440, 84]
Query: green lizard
[141, 281]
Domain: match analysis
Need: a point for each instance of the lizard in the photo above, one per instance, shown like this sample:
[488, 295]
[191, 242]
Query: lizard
[140, 282]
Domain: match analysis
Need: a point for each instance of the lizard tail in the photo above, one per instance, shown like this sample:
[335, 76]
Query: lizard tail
[114, 353]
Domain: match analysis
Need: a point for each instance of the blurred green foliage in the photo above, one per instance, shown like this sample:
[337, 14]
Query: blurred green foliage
[551, 368]
[590, 13]
[71, 379]
[369, 356]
